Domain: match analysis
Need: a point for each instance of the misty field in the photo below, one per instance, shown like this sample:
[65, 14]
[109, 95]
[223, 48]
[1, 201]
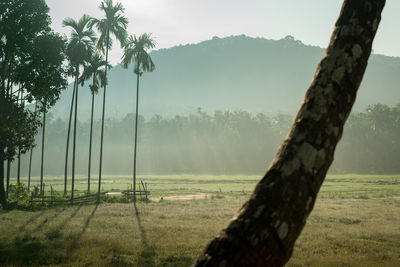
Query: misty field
[355, 223]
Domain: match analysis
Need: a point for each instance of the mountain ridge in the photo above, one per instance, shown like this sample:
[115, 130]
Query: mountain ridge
[235, 73]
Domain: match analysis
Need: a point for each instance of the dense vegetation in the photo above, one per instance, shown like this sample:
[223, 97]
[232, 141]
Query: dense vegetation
[225, 142]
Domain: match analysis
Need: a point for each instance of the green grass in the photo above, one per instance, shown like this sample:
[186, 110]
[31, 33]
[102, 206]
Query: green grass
[355, 222]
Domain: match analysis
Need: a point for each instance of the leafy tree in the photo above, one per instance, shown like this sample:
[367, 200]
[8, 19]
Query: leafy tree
[114, 23]
[264, 232]
[31, 57]
[136, 51]
[79, 49]
[93, 71]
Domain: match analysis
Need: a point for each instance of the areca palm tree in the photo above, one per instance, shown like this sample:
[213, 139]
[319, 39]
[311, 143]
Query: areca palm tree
[136, 52]
[80, 46]
[93, 71]
[114, 23]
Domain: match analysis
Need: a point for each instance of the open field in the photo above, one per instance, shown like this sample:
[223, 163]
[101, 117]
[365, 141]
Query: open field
[355, 223]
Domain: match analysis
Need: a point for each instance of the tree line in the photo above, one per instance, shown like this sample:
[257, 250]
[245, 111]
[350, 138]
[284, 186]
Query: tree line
[225, 142]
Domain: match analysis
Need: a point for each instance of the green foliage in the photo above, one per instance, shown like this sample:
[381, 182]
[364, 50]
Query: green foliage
[18, 195]
[136, 52]
[114, 23]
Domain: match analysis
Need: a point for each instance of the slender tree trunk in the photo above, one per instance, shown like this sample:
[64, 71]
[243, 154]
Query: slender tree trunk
[8, 175]
[30, 168]
[42, 159]
[74, 140]
[68, 135]
[19, 167]
[3, 200]
[19, 150]
[9, 84]
[102, 120]
[136, 126]
[91, 134]
[268, 224]
[30, 158]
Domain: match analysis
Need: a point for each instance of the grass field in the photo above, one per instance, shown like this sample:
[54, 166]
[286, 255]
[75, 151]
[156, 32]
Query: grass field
[356, 222]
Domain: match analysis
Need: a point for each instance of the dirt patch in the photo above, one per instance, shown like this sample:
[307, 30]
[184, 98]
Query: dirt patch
[182, 197]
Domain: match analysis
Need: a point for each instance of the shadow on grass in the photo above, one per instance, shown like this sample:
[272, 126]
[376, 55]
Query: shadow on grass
[31, 219]
[37, 250]
[48, 219]
[146, 257]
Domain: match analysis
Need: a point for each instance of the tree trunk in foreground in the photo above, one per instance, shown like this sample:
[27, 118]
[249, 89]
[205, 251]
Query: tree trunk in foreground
[268, 224]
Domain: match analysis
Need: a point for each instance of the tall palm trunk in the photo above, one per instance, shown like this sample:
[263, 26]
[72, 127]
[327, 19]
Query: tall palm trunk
[30, 158]
[74, 140]
[42, 161]
[136, 126]
[68, 135]
[102, 119]
[91, 134]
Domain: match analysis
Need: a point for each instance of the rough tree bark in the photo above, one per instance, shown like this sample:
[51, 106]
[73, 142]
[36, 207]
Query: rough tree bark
[268, 224]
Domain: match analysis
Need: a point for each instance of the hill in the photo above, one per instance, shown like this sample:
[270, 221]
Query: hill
[235, 73]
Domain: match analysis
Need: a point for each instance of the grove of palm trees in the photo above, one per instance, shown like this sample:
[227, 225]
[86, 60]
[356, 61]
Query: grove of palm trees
[204, 173]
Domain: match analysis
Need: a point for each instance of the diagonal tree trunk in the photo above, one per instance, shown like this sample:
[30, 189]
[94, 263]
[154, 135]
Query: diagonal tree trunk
[268, 224]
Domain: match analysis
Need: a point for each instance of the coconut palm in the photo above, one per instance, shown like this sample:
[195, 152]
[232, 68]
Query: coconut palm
[92, 70]
[80, 46]
[136, 52]
[114, 23]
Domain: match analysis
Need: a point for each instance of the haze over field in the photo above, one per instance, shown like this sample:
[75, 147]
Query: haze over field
[231, 73]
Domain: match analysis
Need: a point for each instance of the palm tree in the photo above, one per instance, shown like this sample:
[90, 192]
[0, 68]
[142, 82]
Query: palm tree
[136, 51]
[79, 47]
[92, 70]
[114, 23]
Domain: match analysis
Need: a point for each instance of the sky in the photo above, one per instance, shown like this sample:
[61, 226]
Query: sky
[175, 22]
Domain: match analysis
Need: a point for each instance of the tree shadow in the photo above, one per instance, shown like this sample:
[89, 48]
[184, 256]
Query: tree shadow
[31, 219]
[87, 221]
[65, 222]
[31, 249]
[146, 257]
[48, 219]
[141, 228]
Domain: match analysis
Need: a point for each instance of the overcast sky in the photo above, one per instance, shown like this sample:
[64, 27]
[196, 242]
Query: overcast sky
[174, 22]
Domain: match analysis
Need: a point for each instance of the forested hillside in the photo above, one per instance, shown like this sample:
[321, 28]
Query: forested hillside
[232, 73]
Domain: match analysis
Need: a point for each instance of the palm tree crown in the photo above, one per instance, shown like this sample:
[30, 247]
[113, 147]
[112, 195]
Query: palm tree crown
[136, 51]
[113, 23]
[82, 38]
[93, 69]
